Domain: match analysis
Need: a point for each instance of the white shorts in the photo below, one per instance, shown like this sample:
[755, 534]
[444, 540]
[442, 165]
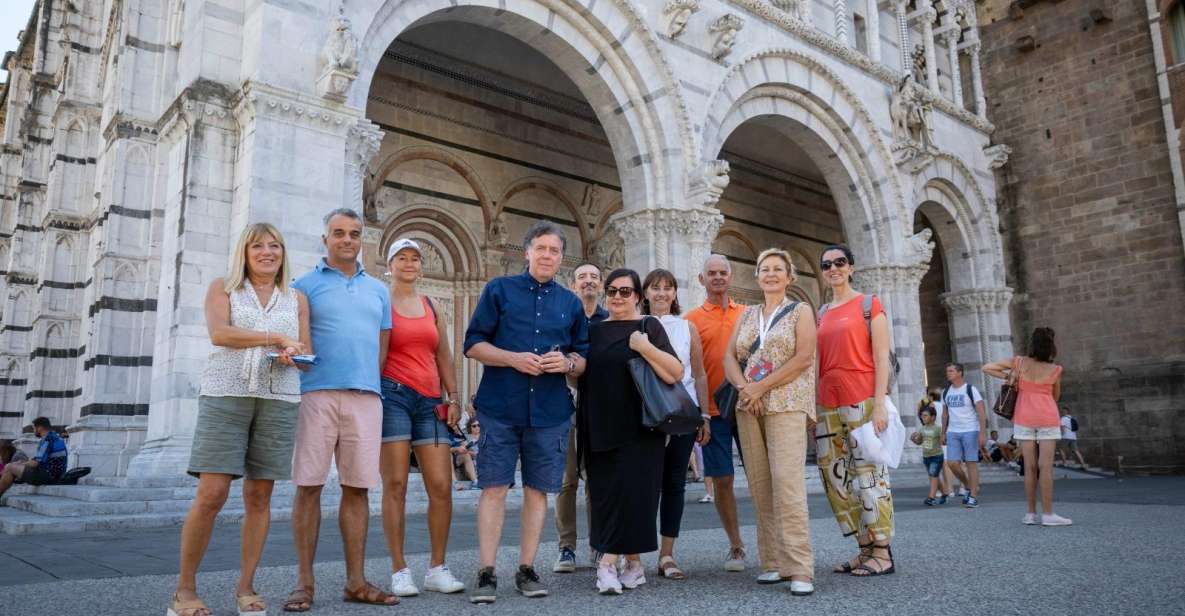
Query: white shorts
[1025, 433]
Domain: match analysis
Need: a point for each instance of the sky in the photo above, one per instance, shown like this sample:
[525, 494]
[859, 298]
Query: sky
[14, 14]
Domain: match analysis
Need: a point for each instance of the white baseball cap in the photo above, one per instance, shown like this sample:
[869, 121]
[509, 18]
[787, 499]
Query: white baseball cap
[400, 244]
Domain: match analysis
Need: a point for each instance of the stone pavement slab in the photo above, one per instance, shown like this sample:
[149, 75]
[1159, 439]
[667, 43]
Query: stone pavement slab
[1123, 555]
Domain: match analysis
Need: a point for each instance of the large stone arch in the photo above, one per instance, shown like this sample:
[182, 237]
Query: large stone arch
[384, 168]
[608, 51]
[836, 130]
[949, 183]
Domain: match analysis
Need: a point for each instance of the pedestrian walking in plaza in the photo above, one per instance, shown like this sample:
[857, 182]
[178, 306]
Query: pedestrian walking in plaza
[465, 453]
[586, 284]
[854, 369]
[1069, 443]
[771, 362]
[929, 436]
[247, 407]
[715, 320]
[622, 458]
[1036, 421]
[964, 430]
[660, 298]
[529, 333]
[45, 467]
[418, 368]
[341, 408]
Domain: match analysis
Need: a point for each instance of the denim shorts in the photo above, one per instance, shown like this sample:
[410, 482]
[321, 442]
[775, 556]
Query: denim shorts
[933, 465]
[962, 446]
[544, 451]
[718, 451]
[410, 416]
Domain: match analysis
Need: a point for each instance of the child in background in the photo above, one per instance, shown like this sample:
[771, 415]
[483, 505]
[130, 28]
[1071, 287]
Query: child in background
[929, 436]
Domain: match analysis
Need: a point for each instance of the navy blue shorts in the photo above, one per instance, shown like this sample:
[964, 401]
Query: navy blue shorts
[544, 452]
[718, 451]
[933, 465]
[410, 416]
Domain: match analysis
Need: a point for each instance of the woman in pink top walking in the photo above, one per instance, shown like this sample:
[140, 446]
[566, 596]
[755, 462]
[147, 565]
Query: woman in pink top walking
[1036, 423]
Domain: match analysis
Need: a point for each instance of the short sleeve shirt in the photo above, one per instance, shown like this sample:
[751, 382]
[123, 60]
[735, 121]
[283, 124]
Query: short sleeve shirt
[522, 315]
[847, 369]
[346, 315]
[51, 454]
[714, 324]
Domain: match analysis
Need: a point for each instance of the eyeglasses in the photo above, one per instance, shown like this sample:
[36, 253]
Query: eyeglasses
[622, 292]
[838, 263]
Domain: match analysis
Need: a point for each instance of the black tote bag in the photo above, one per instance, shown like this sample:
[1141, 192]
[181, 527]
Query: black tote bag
[665, 408]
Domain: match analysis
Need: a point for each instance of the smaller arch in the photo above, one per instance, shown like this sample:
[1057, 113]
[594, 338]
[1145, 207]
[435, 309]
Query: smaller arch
[126, 272]
[535, 183]
[740, 236]
[449, 231]
[420, 152]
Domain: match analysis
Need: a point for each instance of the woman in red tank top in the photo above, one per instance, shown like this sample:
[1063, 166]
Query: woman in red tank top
[417, 365]
[1036, 422]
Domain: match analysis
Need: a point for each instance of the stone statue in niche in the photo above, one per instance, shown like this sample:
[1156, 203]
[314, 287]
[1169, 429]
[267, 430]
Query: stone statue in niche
[798, 9]
[592, 202]
[910, 111]
[499, 233]
[725, 28]
[677, 14]
[340, 56]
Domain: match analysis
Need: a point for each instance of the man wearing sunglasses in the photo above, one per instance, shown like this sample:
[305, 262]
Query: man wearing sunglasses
[715, 320]
[530, 333]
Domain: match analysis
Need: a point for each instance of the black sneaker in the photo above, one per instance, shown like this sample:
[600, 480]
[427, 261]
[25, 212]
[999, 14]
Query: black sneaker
[930, 502]
[527, 582]
[486, 590]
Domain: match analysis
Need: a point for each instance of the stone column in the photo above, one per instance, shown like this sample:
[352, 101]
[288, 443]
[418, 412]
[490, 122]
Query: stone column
[363, 142]
[928, 17]
[977, 81]
[872, 33]
[841, 21]
[903, 42]
[956, 75]
[980, 319]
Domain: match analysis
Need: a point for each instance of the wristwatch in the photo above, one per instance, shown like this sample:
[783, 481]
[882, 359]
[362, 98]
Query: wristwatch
[571, 364]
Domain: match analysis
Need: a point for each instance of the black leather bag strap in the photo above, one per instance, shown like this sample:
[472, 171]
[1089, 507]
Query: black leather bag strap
[777, 317]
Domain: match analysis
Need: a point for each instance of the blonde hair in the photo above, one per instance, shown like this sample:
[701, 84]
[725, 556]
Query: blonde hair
[781, 254]
[236, 274]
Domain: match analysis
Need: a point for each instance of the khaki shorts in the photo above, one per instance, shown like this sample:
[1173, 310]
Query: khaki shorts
[345, 424]
[243, 437]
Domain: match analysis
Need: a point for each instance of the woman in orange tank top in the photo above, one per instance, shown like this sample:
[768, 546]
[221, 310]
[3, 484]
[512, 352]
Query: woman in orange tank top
[1036, 420]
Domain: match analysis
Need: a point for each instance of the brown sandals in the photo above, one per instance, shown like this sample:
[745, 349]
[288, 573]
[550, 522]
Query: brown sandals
[370, 595]
[299, 600]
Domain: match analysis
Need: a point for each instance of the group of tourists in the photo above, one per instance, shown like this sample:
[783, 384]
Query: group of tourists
[340, 366]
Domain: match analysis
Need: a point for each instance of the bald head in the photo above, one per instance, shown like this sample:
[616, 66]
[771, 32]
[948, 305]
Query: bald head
[716, 277]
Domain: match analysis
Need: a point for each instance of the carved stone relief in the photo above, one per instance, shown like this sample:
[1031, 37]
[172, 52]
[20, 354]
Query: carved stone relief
[725, 28]
[677, 13]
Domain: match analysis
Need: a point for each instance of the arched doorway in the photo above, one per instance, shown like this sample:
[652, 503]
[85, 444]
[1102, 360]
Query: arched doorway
[936, 335]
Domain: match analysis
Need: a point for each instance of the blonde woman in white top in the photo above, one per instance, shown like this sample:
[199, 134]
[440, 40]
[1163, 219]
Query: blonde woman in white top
[660, 299]
[247, 407]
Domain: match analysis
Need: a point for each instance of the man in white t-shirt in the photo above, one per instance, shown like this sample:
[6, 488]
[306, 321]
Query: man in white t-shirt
[964, 430]
[1069, 442]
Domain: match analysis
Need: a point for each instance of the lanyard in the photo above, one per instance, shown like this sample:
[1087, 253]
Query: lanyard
[762, 327]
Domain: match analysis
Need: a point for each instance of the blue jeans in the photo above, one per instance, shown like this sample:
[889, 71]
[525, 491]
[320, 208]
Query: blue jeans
[933, 465]
[410, 416]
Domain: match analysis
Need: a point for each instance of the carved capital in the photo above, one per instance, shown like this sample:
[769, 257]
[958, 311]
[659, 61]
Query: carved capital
[891, 277]
[977, 300]
[634, 227]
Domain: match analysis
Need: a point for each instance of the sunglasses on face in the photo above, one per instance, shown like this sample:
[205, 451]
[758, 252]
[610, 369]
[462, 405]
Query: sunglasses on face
[838, 263]
[622, 292]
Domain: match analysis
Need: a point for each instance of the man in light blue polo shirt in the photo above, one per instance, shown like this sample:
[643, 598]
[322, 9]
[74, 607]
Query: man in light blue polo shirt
[341, 411]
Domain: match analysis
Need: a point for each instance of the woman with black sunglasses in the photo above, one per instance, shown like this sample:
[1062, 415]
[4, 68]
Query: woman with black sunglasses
[623, 459]
[853, 342]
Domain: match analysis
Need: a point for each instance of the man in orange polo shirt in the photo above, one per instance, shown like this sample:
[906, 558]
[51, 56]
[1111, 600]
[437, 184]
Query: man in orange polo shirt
[715, 320]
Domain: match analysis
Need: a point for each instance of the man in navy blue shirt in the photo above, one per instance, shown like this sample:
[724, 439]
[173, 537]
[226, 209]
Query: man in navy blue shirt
[46, 467]
[530, 333]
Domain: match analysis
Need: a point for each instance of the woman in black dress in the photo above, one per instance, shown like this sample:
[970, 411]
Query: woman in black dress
[622, 459]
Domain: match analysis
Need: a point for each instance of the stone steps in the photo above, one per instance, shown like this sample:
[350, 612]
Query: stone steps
[109, 503]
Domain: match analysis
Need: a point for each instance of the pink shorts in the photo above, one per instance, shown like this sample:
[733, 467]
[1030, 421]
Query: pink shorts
[347, 424]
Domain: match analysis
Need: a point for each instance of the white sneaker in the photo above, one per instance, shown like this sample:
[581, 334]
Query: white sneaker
[962, 492]
[735, 560]
[770, 577]
[801, 589]
[440, 579]
[1053, 519]
[632, 576]
[402, 584]
[706, 498]
[1030, 519]
[607, 581]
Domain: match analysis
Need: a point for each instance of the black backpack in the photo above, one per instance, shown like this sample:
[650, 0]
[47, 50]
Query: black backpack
[971, 391]
[1073, 424]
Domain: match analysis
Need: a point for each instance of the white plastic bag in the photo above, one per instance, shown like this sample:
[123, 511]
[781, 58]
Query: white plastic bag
[887, 447]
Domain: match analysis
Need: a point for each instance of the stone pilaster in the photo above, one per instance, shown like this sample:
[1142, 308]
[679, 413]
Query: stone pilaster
[840, 8]
[956, 77]
[928, 17]
[983, 333]
[977, 81]
[872, 31]
[903, 38]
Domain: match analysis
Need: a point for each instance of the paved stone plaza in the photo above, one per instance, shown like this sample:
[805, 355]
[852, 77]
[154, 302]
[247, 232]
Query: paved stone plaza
[1122, 556]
